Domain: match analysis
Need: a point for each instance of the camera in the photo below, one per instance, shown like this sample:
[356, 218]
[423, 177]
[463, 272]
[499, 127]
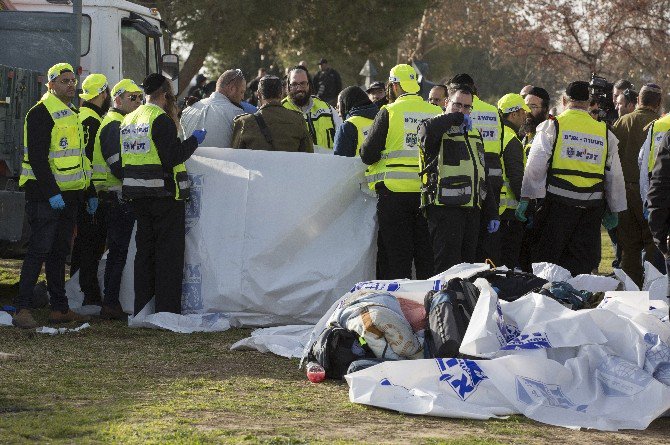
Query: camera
[601, 92]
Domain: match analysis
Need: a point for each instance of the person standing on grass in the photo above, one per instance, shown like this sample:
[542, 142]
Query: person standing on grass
[54, 175]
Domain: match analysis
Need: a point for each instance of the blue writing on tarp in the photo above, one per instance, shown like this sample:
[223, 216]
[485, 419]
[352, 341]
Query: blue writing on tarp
[463, 376]
[191, 288]
[194, 204]
[534, 392]
[535, 340]
[657, 358]
[621, 378]
[376, 285]
[506, 332]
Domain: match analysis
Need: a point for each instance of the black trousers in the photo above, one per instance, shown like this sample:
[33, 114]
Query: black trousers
[120, 223]
[511, 238]
[89, 245]
[488, 244]
[568, 236]
[50, 236]
[403, 234]
[453, 232]
[159, 261]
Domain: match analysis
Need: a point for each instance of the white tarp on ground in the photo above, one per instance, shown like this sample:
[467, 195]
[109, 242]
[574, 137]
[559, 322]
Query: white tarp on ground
[272, 238]
[606, 368]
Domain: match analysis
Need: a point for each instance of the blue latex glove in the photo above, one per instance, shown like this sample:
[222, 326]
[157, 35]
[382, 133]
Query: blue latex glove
[56, 202]
[467, 123]
[520, 211]
[645, 212]
[200, 135]
[493, 226]
[610, 220]
[92, 205]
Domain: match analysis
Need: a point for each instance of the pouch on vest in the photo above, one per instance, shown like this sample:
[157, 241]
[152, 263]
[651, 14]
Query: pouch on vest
[454, 190]
[448, 313]
[336, 348]
[453, 152]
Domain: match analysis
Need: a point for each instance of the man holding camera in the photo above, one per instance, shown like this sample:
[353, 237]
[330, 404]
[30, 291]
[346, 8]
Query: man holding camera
[633, 232]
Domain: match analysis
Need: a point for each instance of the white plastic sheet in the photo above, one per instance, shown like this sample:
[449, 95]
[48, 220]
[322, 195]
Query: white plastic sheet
[272, 238]
[606, 368]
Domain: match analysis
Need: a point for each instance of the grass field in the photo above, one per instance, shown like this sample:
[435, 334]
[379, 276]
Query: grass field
[112, 384]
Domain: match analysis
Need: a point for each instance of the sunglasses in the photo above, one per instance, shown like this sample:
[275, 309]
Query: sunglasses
[68, 81]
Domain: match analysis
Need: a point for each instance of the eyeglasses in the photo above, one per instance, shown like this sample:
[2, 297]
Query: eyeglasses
[460, 106]
[295, 85]
[68, 81]
[134, 97]
[535, 107]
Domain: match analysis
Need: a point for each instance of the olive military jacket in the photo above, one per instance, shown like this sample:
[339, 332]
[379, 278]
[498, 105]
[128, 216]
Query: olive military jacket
[286, 127]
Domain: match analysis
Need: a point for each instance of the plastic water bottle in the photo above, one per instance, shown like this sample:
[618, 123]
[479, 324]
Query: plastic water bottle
[315, 372]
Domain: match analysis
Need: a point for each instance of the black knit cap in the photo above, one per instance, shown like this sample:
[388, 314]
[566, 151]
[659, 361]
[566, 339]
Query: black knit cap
[462, 79]
[376, 86]
[578, 91]
[153, 82]
[539, 92]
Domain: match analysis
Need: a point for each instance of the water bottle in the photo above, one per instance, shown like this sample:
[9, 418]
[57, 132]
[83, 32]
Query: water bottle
[315, 372]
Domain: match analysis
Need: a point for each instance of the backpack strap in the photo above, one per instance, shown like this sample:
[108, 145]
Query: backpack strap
[264, 128]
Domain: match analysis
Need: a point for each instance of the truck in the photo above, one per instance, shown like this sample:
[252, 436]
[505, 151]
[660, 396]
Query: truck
[117, 38]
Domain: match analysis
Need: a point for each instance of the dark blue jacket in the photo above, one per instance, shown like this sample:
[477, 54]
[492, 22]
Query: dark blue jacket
[346, 136]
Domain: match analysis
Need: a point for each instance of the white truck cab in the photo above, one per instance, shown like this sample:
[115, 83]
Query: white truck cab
[119, 39]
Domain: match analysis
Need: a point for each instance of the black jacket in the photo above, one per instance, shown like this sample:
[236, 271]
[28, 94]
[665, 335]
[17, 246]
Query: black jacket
[171, 150]
[430, 135]
[658, 197]
[327, 84]
[512, 159]
[346, 136]
[39, 125]
[110, 145]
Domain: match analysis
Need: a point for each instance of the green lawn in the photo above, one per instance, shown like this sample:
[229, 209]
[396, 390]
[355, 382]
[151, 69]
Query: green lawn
[112, 384]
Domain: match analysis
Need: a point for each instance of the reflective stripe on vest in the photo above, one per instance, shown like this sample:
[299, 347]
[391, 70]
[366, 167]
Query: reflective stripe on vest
[460, 172]
[658, 129]
[319, 120]
[577, 170]
[102, 175]
[398, 167]
[143, 174]
[67, 162]
[363, 125]
[507, 198]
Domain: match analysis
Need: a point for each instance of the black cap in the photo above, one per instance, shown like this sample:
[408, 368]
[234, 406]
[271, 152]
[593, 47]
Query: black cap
[462, 79]
[322, 61]
[578, 91]
[200, 78]
[153, 82]
[376, 86]
[539, 92]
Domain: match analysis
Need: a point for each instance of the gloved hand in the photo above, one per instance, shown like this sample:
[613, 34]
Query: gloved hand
[610, 220]
[92, 205]
[56, 202]
[520, 211]
[493, 226]
[645, 211]
[200, 135]
[467, 123]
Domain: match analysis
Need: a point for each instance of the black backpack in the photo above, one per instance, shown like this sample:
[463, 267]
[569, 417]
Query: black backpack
[448, 313]
[336, 348]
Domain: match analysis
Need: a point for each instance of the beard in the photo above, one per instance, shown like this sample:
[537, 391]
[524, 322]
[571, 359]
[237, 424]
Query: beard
[171, 107]
[532, 122]
[107, 103]
[300, 98]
